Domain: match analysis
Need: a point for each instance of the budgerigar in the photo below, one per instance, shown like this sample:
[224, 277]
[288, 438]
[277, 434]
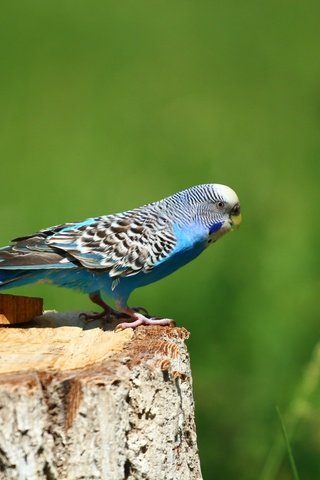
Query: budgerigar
[114, 254]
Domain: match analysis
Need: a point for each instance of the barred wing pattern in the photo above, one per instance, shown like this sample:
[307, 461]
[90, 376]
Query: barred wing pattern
[123, 244]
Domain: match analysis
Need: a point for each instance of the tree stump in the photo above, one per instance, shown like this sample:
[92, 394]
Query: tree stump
[78, 402]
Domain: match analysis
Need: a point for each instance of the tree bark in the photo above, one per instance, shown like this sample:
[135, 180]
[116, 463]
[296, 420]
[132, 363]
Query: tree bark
[78, 402]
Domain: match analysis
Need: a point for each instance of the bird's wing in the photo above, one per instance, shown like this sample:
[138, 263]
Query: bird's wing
[123, 244]
[32, 252]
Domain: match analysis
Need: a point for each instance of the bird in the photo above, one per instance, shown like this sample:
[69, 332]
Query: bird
[114, 254]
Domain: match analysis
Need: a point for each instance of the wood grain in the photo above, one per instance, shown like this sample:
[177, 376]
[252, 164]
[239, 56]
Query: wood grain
[59, 349]
[19, 309]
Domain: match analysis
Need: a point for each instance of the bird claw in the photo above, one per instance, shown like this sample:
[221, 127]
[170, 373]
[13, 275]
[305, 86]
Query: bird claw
[90, 317]
[139, 319]
[142, 310]
[105, 315]
[107, 312]
[138, 315]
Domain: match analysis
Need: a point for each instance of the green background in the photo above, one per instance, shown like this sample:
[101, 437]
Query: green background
[109, 105]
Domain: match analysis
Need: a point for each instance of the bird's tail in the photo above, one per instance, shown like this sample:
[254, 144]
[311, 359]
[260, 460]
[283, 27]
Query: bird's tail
[22, 266]
[16, 278]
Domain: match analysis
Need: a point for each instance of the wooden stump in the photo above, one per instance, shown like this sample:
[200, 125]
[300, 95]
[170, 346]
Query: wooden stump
[77, 402]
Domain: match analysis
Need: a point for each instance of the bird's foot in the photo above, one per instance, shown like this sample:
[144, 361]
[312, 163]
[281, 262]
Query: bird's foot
[142, 310]
[90, 317]
[139, 319]
[107, 313]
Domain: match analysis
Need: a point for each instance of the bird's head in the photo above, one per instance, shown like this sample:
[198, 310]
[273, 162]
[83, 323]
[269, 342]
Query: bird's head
[217, 208]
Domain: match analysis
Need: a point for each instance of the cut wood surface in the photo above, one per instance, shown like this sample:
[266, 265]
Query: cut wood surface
[45, 347]
[78, 402]
[19, 309]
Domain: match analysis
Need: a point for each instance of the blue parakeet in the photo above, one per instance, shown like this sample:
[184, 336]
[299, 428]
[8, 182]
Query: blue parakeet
[114, 254]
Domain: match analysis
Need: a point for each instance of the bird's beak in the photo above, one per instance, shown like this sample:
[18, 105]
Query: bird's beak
[235, 216]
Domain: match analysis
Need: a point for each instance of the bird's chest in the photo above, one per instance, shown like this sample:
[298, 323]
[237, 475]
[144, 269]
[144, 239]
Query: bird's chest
[189, 245]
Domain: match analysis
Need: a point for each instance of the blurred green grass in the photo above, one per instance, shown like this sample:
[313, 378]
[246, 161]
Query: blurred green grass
[110, 105]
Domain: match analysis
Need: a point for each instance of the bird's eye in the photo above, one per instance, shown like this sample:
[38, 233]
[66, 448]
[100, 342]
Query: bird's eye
[220, 204]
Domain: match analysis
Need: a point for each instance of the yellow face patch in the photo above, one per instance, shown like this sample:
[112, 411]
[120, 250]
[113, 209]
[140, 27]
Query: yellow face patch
[236, 220]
